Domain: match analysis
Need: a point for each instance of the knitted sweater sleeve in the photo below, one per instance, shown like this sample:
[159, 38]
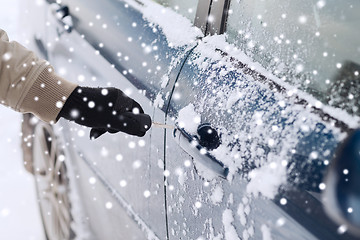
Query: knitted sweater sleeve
[28, 83]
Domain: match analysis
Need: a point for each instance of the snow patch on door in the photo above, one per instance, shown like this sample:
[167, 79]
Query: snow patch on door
[188, 119]
[184, 33]
[266, 180]
[229, 229]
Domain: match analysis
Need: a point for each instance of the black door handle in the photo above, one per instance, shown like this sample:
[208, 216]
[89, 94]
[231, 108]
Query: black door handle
[41, 47]
[208, 136]
[191, 145]
[62, 14]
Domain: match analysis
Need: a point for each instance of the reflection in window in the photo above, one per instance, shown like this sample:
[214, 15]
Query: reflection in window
[315, 45]
[187, 8]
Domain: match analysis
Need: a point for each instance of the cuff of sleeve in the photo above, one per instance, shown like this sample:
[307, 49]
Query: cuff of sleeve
[47, 96]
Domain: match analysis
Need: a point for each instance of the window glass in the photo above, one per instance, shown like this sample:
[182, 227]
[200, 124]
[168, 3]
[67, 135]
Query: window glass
[187, 8]
[312, 44]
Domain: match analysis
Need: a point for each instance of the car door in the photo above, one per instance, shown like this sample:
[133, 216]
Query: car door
[234, 187]
[262, 174]
[124, 45]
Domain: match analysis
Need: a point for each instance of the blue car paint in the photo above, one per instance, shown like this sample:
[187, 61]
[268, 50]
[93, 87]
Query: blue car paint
[305, 170]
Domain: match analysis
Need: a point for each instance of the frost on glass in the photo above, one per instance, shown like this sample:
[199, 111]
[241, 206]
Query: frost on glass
[313, 45]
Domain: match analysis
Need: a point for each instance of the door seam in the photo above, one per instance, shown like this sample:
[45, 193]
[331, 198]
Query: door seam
[166, 114]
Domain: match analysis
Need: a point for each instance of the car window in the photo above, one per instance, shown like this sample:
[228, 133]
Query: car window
[313, 44]
[187, 8]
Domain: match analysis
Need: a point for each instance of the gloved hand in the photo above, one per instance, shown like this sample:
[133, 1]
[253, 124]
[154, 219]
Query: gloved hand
[105, 110]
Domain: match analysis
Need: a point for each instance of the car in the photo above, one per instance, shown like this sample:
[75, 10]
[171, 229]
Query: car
[255, 110]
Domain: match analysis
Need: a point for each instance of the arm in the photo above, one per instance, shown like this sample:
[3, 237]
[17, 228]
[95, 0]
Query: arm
[29, 84]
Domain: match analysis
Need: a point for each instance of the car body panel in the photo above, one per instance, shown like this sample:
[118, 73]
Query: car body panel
[108, 156]
[203, 209]
[263, 132]
[105, 214]
[127, 163]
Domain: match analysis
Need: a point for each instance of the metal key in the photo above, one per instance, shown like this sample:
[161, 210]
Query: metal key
[160, 125]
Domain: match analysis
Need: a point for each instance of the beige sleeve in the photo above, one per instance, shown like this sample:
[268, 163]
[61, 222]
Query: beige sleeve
[29, 84]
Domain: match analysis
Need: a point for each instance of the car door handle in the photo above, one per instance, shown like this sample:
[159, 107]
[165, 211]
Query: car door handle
[209, 165]
[62, 14]
[41, 47]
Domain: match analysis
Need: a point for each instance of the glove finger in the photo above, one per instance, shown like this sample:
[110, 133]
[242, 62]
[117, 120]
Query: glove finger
[143, 122]
[112, 130]
[134, 124]
[138, 106]
[97, 132]
[123, 103]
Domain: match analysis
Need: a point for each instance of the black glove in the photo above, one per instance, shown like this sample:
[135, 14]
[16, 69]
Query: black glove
[105, 110]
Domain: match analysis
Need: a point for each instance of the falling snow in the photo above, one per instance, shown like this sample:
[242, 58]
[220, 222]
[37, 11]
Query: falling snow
[258, 144]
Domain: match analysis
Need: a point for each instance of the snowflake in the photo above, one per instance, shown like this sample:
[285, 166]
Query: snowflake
[283, 201]
[147, 194]
[92, 180]
[123, 183]
[108, 205]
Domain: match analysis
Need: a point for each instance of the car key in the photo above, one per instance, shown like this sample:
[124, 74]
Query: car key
[161, 125]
